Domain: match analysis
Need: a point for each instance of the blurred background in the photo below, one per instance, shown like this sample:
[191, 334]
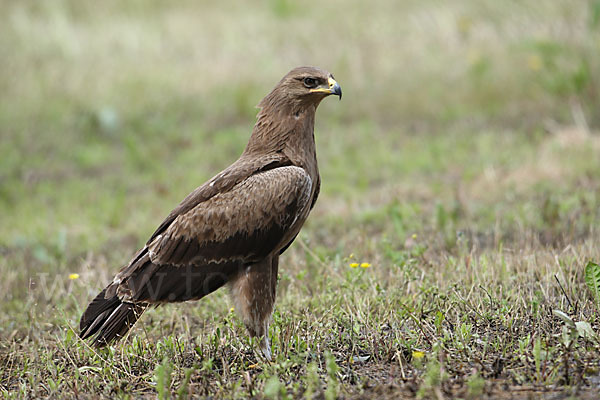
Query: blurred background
[460, 172]
[476, 117]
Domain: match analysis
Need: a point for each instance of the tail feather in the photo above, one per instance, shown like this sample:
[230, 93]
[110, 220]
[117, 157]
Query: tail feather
[108, 319]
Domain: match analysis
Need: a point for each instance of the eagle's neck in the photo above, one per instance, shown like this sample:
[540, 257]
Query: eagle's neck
[288, 130]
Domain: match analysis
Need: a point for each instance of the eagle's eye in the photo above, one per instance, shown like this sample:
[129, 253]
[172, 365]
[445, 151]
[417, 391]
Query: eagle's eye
[310, 82]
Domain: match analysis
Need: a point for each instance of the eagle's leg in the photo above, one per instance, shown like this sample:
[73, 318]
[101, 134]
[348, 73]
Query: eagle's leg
[253, 291]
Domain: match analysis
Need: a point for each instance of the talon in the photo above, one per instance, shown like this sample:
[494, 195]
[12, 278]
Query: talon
[267, 353]
[266, 347]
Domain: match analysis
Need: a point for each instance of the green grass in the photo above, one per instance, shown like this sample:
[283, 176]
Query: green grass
[463, 165]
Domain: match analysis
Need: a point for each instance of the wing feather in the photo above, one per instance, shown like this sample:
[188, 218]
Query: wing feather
[246, 223]
[222, 182]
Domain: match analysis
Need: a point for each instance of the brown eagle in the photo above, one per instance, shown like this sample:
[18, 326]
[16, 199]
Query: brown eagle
[232, 229]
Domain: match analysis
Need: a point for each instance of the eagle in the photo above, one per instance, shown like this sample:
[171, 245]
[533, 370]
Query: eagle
[232, 229]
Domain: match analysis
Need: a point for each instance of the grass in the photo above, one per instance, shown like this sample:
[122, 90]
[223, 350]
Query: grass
[463, 165]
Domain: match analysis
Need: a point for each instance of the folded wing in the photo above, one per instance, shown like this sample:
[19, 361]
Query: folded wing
[243, 224]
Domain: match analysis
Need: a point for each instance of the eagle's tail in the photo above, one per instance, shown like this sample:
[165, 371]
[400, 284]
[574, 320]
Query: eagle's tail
[108, 319]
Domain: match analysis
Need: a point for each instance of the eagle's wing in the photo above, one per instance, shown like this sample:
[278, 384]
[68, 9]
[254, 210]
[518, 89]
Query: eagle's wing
[243, 224]
[221, 183]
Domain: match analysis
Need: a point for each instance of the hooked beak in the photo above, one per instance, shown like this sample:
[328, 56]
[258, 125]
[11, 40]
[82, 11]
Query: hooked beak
[332, 88]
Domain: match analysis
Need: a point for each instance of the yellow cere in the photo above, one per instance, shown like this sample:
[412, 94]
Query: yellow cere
[331, 82]
[365, 265]
[353, 265]
[418, 354]
[73, 276]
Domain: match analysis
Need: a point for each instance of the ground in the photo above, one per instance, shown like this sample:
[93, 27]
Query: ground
[445, 257]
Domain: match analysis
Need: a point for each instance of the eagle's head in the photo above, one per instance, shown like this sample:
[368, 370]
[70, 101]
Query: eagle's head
[302, 86]
[310, 82]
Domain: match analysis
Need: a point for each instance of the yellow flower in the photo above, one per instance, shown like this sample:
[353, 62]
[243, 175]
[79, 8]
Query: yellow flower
[534, 62]
[73, 276]
[353, 265]
[464, 24]
[414, 235]
[365, 265]
[418, 354]
[231, 309]
[473, 56]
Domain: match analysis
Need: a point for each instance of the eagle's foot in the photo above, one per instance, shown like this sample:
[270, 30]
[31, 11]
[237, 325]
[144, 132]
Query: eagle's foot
[265, 347]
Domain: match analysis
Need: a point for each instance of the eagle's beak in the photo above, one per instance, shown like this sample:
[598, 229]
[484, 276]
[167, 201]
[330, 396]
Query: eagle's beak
[332, 88]
[335, 88]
